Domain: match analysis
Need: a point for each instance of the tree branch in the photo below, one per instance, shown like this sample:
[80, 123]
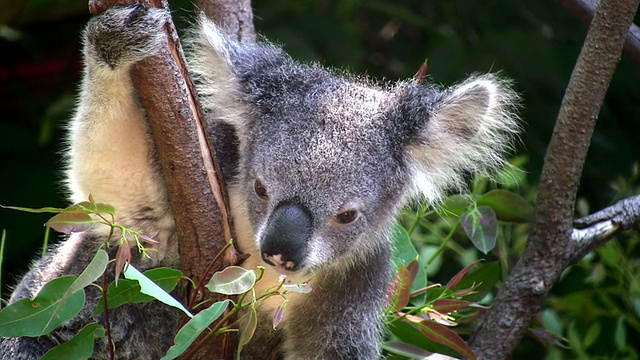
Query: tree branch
[593, 230]
[234, 16]
[584, 10]
[194, 184]
[547, 253]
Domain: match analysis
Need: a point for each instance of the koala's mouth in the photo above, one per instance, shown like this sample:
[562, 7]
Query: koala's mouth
[282, 265]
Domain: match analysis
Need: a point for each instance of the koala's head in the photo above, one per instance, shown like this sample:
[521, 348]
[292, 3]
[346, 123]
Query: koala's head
[327, 160]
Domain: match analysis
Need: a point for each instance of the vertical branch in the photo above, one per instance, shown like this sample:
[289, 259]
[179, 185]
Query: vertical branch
[195, 187]
[546, 256]
[234, 16]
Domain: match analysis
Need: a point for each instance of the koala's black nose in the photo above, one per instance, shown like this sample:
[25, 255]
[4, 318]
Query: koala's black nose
[286, 236]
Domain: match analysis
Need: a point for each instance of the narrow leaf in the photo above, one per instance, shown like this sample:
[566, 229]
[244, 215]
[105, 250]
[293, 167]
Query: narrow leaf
[405, 253]
[403, 291]
[191, 330]
[91, 273]
[248, 325]
[128, 291]
[447, 306]
[478, 283]
[152, 289]
[233, 280]
[620, 335]
[457, 277]
[406, 350]
[278, 314]
[79, 347]
[70, 222]
[303, 288]
[37, 317]
[36, 211]
[441, 335]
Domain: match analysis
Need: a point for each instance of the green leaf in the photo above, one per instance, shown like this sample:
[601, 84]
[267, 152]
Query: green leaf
[92, 208]
[454, 205]
[35, 211]
[39, 316]
[481, 226]
[402, 284]
[152, 289]
[483, 280]
[167, 278]
[124, 292]
[303, 288]
[620, 335]
[592, 334]
[70, 222]
[278, 314]
[233, 280]
[405, 253]
[460, 275]
[191, 330]
[247, 326]
[79, 347]
[406, 350]
[508, 206]
[128, 291]
[446, 306]
[93, 271]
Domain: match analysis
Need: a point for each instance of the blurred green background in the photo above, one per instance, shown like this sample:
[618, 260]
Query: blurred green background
[535, 43]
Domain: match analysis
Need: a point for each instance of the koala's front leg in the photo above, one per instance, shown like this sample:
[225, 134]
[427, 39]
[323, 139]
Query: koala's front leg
[111, 153]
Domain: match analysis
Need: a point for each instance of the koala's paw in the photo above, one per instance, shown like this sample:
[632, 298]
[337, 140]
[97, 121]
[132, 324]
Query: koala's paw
[124, 35]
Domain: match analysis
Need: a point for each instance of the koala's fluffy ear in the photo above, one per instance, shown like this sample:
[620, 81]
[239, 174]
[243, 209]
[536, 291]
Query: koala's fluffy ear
[465, 129]
[212, 67]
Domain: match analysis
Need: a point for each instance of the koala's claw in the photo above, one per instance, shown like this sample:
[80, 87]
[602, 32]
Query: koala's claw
[125, 35]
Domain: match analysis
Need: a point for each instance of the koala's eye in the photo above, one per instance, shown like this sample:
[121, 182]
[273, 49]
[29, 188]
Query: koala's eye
[347, 216]
[260, 190]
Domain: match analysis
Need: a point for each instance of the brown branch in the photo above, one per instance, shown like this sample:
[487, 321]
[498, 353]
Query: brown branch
[234, 16]
[195, 187]
[594, 230]
[546, 255]
[584, 10]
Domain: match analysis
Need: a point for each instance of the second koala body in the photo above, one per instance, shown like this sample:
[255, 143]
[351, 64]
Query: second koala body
[318, 168]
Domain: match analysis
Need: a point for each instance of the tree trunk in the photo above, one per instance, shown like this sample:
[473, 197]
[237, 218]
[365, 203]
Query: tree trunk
[196, 190]
[501, 329]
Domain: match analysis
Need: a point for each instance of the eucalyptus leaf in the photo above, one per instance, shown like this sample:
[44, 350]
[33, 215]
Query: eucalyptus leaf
[481, 226]
[70, 222]
[45, 312]
[508, 206]
[128, 291]
[233, 280]
[80, 347]
[191, 330]
[152, 289]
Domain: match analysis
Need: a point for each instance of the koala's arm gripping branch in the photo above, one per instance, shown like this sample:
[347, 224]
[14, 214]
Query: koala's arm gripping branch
[547, 253]
[194, 183]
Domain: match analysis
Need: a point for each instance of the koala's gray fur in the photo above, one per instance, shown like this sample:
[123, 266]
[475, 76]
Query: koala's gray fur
[318, 165]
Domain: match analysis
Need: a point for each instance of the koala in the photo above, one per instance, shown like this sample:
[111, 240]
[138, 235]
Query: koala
[318, 164]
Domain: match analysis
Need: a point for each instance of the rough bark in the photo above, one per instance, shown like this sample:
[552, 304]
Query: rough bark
[196, 190]
[584, 10]
[547, 252]
[235, 16]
